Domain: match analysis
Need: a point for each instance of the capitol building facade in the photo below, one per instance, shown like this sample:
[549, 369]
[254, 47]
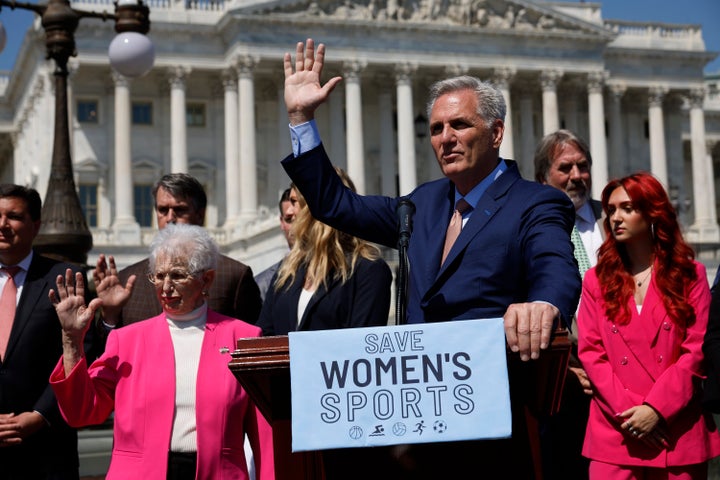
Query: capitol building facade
[213, 105]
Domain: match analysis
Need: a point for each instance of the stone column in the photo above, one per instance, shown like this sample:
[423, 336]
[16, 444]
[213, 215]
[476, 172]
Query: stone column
[354, 124]
[598, 145]
[406, 128]
[658, 156]
[619, 161]
[527, 124]
[502, 77]
[388, 164]
[551, 117]
[125, 229]
[178, 123]
[705, 228]
[232, 158]
[336, 111]
[571, 108]
[284, 145]
[248, 151]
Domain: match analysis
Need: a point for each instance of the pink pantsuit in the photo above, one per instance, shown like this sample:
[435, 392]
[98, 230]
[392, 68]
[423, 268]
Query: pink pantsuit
[649, 360]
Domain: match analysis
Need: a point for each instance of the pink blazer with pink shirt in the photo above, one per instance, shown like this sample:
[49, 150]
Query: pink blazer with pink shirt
[649, 360]
[135, 378]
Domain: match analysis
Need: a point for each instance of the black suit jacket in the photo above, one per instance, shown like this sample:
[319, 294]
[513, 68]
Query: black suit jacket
[233, 293]
[362, 301]
[34, 348]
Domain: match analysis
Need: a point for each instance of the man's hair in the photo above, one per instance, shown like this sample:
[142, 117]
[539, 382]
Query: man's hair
[490, 100]
[549, 148]
[184, 187]
[30, 195]
[285, 197]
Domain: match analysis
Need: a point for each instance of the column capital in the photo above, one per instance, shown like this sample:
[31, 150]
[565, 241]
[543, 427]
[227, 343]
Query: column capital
[119, 80]
[503, 76]
[245, 64]
[596, 81]
[228, 77]
[656, 94]
[549, 79]
[404, 72]
[177, 76]
[352, 69]
[617, 91]
[696, 97]
[456, 69]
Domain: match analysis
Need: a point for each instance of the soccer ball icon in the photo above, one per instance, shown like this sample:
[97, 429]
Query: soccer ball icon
[439, 426]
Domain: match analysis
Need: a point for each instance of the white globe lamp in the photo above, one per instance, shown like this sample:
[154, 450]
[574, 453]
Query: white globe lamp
[131, 54]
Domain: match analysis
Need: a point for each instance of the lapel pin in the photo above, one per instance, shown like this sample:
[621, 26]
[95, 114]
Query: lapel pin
[224, 350]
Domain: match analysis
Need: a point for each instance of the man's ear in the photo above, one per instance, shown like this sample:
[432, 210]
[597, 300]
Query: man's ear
[498, 130]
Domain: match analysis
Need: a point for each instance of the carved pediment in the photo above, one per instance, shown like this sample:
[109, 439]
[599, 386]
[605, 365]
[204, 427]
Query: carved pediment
[519, 15]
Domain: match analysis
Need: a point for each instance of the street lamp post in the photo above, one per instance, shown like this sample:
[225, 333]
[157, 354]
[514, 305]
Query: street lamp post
[64, 233]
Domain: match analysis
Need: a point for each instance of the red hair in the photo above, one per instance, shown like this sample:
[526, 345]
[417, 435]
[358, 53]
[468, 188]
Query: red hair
[673, 265]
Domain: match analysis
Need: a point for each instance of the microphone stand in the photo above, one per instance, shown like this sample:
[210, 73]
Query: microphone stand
[405, 211]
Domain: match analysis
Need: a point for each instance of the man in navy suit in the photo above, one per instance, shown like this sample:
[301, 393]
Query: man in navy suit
[512, 259]
[35, 441]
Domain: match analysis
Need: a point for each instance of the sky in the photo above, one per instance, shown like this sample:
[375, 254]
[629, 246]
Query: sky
[703, 12]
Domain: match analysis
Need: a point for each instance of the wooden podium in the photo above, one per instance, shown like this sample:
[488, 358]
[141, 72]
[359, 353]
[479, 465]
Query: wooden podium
[262, 366]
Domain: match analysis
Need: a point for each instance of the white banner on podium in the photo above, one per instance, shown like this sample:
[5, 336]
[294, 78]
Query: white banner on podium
[431, 382]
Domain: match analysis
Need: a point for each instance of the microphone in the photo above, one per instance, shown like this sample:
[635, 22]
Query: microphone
[405, 211]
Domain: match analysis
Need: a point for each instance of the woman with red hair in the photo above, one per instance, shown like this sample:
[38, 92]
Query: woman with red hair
[642, 317]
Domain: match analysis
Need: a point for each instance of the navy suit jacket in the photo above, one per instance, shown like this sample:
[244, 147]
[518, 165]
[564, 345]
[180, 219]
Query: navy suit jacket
[362, 301]
[34, 347]
[514, 248]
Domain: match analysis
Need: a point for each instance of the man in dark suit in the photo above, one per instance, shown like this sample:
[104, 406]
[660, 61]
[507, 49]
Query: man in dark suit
[127, 295]
[287, 214]
[35, 441]
[563, 160]
[512, 259]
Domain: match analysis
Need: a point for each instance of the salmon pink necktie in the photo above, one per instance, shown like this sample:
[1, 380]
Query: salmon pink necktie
[8, 303]
[455, 227]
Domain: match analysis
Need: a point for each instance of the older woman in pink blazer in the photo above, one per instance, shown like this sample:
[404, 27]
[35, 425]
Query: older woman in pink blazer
[179, 411]
[642, 318]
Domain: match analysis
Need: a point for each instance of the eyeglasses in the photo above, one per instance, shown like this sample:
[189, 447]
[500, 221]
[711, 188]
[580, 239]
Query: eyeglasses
[176, 277]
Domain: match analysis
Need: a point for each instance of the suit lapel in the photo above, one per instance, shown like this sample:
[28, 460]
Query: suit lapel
[642, 331]
[318, 295]
[428, 235]
[489, 204]
[159, 354]
[33, 290]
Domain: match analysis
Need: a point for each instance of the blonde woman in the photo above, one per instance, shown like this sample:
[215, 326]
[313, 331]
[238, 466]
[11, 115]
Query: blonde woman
[331, 280]
[328, 280]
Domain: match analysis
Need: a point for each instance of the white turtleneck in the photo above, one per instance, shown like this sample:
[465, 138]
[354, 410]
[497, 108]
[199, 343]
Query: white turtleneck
[187, 333]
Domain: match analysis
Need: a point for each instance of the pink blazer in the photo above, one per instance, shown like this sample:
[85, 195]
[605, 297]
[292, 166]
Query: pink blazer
[135, 377]
[648, 360]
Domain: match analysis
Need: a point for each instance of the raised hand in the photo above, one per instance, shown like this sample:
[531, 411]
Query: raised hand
[109, 289]
[303, 91]
[75, 317]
